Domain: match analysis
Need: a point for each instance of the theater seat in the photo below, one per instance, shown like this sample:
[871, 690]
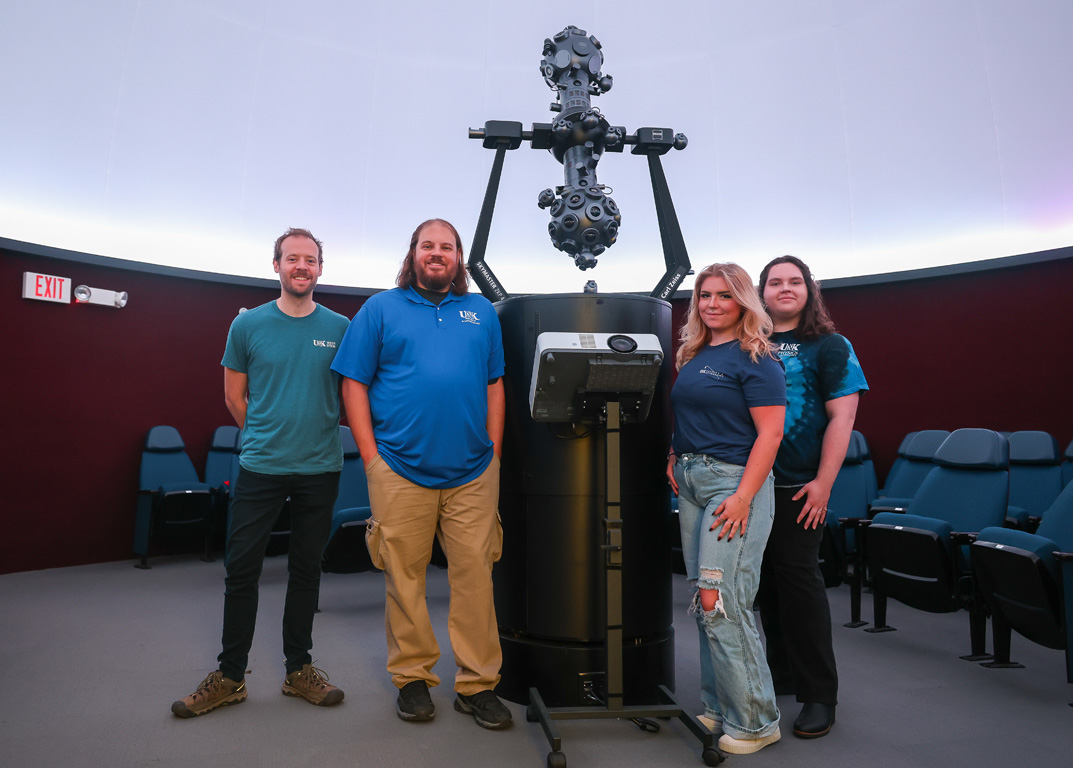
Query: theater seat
[915, 557]
[1067, 464]
[345, 551]
[172, 501]
[222, 450]
[850, 493]
[919, 455]
[1035, 477]
[898, 465]
[1027, 581]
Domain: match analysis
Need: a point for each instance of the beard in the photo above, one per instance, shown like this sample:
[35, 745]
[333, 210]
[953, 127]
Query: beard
[437, 282]
[298, 292]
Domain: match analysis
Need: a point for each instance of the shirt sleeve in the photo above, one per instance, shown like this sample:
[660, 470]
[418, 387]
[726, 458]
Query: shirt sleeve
[495, 350]
[840, 372]
[236, 353]
[763, 382]
[358, 356]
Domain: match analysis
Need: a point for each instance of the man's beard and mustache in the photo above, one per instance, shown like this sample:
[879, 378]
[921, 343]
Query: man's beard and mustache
[299, 292]
[437, 282]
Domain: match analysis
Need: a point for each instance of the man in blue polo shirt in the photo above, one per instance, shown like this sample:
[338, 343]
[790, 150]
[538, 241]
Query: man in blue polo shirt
[422, 389]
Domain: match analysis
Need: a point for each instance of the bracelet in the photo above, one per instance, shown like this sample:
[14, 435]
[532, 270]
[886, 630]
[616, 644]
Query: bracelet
[669, 455]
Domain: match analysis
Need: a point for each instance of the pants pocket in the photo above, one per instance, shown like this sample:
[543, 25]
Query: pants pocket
[497, 548]
[374, 540]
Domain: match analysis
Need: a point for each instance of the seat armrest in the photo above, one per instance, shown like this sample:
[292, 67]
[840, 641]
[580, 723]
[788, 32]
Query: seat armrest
[1063, 557]
[854, 522]
[963, 537]
[875, 509]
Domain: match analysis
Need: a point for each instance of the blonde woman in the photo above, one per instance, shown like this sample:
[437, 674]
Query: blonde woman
[729, 407]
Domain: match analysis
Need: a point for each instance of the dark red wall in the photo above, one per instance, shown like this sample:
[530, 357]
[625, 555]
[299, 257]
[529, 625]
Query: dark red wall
[970, 349]
[976, 349]
[85, 383]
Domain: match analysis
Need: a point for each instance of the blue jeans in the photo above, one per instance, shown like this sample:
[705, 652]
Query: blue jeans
[736, 685]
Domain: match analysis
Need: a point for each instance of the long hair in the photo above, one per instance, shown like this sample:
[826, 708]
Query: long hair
[815, 320]
[277, 249]
[408, 274]
[753, 327]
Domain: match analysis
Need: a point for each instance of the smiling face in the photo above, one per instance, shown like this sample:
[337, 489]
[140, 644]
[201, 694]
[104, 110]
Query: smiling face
[436, 258]
[718, 310]
[785, 294]
[298, 266]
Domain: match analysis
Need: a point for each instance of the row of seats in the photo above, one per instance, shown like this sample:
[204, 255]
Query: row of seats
[173, 503]
[1038, 472]
[957, 541]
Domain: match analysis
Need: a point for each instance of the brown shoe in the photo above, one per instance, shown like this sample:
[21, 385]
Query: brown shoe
[312, 685]
[214, 691]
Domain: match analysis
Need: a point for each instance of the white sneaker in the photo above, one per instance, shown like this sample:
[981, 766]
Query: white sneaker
[747, 746]
[713, 725]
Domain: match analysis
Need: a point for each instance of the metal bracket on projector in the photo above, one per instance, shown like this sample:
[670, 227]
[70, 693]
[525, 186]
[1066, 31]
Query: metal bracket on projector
[502, 135]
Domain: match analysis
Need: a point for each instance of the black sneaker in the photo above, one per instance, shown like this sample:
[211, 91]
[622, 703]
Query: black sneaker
[414, 703]
[486, 708]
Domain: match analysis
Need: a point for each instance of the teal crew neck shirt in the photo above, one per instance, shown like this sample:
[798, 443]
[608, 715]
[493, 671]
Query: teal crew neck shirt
[292, 418]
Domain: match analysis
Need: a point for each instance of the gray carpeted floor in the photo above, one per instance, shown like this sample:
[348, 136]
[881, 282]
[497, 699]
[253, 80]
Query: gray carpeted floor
[94, 656]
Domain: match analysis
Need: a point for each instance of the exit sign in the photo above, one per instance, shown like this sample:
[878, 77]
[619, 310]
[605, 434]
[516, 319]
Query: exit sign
[46, 287]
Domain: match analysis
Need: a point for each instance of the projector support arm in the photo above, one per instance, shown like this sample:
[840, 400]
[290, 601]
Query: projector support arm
[670, 232]
[499, 135]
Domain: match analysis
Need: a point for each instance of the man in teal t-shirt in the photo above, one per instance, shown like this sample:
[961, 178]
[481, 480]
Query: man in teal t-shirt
[282, 393]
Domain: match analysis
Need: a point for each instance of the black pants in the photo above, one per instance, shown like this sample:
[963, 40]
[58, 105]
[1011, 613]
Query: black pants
[793, 607]
[255, 507]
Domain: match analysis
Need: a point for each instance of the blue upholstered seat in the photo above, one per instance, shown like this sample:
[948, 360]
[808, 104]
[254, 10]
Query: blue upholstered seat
[905, 480]
[1067, 464]
[222, 451]
[345, 551]
[850, 494]
[913, 557]
[898, 465]
[1035, 476]
[218, 462]
[171, 499]
[1026, 580]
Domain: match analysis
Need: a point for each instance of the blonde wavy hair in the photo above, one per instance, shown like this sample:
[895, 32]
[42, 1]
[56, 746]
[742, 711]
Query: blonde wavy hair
[753, 328]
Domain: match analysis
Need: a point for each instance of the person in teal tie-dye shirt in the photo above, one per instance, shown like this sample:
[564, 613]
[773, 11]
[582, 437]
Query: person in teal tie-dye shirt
[823, 384]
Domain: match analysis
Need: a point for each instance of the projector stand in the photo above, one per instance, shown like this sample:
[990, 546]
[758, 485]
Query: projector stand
[614, 708]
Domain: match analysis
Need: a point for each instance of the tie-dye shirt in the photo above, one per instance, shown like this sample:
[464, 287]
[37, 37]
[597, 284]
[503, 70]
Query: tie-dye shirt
[816, 371]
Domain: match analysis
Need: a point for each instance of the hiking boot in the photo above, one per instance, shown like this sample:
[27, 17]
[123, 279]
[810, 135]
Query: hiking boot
[312, 685]
[486, 708]
[214, 691]
[414, 704]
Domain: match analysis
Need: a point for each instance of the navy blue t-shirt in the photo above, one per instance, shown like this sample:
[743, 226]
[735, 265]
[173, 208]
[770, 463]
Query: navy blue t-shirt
[816, 371]
[712, 397]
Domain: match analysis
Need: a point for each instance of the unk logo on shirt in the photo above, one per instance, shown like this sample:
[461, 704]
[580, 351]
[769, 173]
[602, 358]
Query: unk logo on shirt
[468, 316]
[788, 349]
[324, 343]
[707, 371]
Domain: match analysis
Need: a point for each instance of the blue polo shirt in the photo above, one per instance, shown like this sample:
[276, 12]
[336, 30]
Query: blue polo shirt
[427, 368]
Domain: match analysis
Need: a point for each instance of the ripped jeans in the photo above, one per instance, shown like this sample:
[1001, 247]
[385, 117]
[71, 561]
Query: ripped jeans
[736, 685]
